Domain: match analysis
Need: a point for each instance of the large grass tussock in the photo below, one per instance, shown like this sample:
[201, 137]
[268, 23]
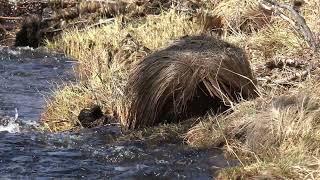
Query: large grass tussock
[188, 78]
[272, 138]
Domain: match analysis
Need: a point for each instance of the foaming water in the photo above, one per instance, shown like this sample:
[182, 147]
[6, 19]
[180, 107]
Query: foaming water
[11, 127]
[93, 155]
[26, 75]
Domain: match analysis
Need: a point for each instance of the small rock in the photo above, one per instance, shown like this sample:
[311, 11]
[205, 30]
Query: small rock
[88, 116]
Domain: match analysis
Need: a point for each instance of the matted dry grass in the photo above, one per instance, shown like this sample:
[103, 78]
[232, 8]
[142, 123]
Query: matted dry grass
[186, 79]
[105, 55]
[242, 16]
[273, 137]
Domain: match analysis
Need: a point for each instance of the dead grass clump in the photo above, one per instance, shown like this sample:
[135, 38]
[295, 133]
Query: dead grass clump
[275, 139]
[107, 90]
[277, 37]
[218, 126]
[242, 16]
[62, 111]
[186, 79]
[272, 41]
[158, 135]
[154, 32]
[290, 120]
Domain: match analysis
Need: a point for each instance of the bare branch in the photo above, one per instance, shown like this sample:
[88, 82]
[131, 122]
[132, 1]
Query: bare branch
[298, 21]
[10, 18]
[295, 76]
[281, 63]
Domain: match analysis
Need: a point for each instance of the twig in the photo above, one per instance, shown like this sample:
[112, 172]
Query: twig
[101, 22]
[298, 21]
[280, 63]
[10, 18]
[295, 76]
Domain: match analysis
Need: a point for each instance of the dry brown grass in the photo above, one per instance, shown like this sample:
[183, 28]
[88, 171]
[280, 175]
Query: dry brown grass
[62, 111]
[242, 16]
[63, 108]
[174, 83]
[271, 140]
[163, 133]
[273, 137]
[104, 56]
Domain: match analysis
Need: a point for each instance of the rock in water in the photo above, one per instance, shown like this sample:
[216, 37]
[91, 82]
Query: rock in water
[9, 124]
[89, 116]
[30, 33]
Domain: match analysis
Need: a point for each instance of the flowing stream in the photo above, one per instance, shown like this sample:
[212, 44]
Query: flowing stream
[26, 76]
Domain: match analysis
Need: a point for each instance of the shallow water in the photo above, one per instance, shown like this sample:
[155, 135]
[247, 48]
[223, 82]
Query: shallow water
[25, 76]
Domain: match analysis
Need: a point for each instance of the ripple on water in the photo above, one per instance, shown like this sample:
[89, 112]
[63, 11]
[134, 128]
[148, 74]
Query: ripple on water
[75, 155]
[26, 75]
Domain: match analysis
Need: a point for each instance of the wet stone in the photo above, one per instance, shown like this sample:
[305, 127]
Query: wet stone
[88, 117]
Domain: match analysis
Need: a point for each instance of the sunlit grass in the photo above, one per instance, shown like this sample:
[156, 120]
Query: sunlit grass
[269, 142]
[101, 69]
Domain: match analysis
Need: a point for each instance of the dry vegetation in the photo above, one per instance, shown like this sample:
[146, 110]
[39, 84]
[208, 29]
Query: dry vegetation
[105, 55]
[275, 136]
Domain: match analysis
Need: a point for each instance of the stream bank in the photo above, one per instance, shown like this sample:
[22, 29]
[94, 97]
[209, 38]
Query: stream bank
[27, 76]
